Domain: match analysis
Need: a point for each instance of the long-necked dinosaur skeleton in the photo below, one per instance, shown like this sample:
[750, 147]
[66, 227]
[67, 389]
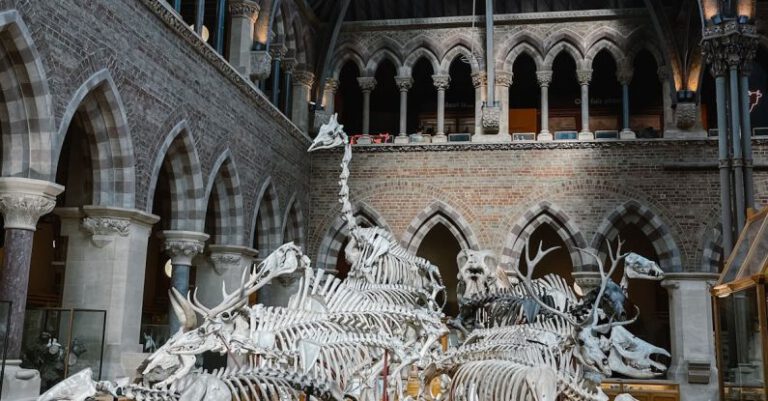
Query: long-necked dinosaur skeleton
[524, 339]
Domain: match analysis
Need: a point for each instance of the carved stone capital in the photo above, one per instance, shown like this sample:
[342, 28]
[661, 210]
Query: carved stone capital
[288, 65]
[479, 79]
[367, 84]
[685, 115]
[278, 51]
[624, 74]
[331, 85]
[584, 76]
[102, 229]
[261, 65]
[228, 257]
[504, 79]
[544, 77]
[244, 9]
[727, 45]
[441, 81]
[23, 201]
[663, 73]
[303, 78]
[491, 117]
[404, 84]
[182, 246]
[587, 280]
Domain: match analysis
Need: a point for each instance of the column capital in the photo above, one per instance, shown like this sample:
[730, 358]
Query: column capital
[303, 78]
[504, 78]
[288, 65]
[261, 65]
[182, 246]
[584, 76]
[367, 84]
[404, 84]
[544, 77]
[228, 257]
[729, 45]
[244, 9]
[624, 74]
[441, 81]
[332, 85]
[24, 200]
[479, 79]
[103, 224]
[663, 73]
[278, 51]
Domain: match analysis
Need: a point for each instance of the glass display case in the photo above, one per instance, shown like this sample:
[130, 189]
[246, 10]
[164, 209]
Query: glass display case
[61, 342]
[740, 315]
[5, 321]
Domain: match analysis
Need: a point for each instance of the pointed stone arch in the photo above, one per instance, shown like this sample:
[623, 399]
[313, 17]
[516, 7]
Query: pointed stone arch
[563, 46]
[605, 44]
[179, 158]
[418, 54]
[650, 223]
[224, 195]
[542, 213]
[293, 223]
[26, 115]
[337, 233]
[266, 224]
[519, 49]
[345, 55]
[99, 108]
[438, 213]
[456, 51]
[378, 57]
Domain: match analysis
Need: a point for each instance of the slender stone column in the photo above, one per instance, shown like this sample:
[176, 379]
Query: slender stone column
[367, 85]
[480, 82]
[404, 84]
[666, 98]
[738, 162]
[106, 260]
[302, 88]
[693, 346]
[724, 163]
[331, 87]
[244, 14]
[503, 82]
[545, 78]
[624, 76]
[181, 246]
[746, 136]
[22, 202]
[442, 82]
[225, 265]
[278, 52]
[585, 76]
[288, 66]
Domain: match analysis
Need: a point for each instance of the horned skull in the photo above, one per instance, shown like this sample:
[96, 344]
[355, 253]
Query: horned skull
[477, 272]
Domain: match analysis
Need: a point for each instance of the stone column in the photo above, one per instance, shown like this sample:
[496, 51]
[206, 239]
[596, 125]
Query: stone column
[106, 260]
[442, 82]
[503, 82]
[480, 82]
[288, 66]
[227, 263]
[367, 85]
[587, 280]
[693, 340]
[585, 76]
[404, 84]
[736, 149]
[668, 123]
[331, 87]
[244, 14]
[624, 76]
[545, 78]
[746, 136]
[181, 246]
[278, 52]
[302, 88]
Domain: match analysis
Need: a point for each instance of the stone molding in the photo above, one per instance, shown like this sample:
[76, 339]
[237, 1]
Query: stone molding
[544, 77]
[103, 223]
[303, 78]
[183, 246]
[404, 84]
[672, 280]
[244, 9]
[587, 280]
[102, 229]
[227, 257]
[584, 76]
[504, 78]
[441, 81]
[23, 201]
[367, 84]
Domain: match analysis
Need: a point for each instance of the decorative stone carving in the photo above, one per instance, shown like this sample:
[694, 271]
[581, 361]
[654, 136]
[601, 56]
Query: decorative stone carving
[544, 77]
[182, 246]
[367, 84]
[23, 201]
[102, 229]
[303, 78]
[729, 44]
[663, 73]
[685, 114]
[404, 84]
[624, 74]
[491, 117]
[584, 76]
[261, 65]
[278, 51]
[479, 79]
[587, 281]
[331, 85]
[504, 79]
[288, 65]
[244, 9]
[441, 81]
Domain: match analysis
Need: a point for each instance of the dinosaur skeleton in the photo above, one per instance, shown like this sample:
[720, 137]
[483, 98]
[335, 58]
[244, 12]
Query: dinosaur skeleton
[334, 340]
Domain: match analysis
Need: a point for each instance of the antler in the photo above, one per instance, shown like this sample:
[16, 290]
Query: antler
[604, 278]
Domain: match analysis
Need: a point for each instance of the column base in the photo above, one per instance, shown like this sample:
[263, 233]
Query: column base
[492, 138]
[586, 136]
[440, 138]
[545, 136]
[402, 138]
[365, 140]
[20, 384]
[627, 133]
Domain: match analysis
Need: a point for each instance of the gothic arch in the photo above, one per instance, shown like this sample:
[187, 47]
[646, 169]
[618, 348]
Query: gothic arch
[26, 116]
[178, 156]
[456, 51]
[438, 212]
[379, 56]
[643, 43]
[224, 192]
[293, 223]
[650, 224]
[711, 245]
[522, 48]
[605, 44]
[330, 246]
[416, 55]
[563, 46]
[540, 214]
[106, 129]
[345, 55]
[266, 224]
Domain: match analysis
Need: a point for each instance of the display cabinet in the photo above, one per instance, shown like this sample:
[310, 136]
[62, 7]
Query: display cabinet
[739, 306]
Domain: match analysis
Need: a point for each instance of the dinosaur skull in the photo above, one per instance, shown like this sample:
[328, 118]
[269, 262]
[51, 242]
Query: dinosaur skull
[330, 135]
[476, 272]
[638, 267]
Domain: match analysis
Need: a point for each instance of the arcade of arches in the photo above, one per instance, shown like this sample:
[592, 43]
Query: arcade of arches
[150, 144]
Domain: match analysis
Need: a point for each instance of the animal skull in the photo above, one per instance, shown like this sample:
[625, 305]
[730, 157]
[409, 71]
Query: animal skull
[639, 267]
[477, 272]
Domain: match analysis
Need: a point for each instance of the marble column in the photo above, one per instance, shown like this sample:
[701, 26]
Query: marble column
[584, 77]
[106, 261]
[302, 89]
[503, 82]
[22, 202]
[666, 97]
[182, 247]
[329, 94]
[367, 85]
[244, 14]
[544, 78]
[624, 76]
[480, 82]
[736, 148]
[693, 340]
[442, 82]
[404, 84]
[746, 137]
[225, 265]
[278, 52]
[289, 64]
